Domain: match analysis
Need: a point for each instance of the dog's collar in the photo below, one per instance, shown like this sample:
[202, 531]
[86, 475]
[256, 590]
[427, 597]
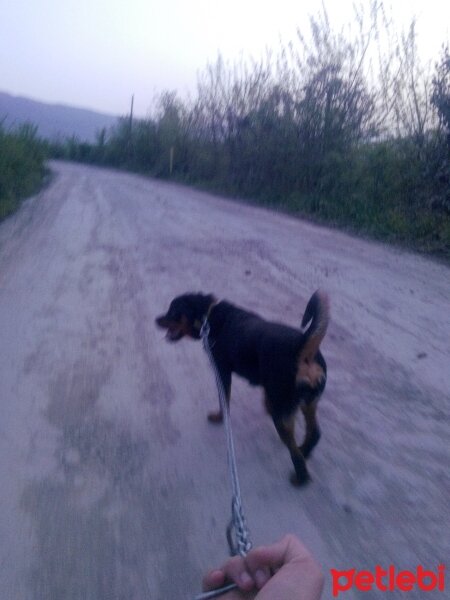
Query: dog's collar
[199, 324]
[211, 306]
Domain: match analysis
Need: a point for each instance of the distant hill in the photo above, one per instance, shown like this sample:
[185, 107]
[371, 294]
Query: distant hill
[53, 120]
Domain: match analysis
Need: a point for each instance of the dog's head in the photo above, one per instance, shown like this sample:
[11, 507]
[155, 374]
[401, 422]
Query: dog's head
[185, 316]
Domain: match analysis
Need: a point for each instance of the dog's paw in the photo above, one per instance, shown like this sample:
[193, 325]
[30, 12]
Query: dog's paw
[215, 417]
[299, 482]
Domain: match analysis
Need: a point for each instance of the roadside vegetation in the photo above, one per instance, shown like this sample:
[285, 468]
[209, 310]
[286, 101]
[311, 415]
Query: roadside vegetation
[22, 168]
[345, 127]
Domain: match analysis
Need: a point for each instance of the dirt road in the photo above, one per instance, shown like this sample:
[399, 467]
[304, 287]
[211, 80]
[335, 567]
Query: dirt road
[113, 484]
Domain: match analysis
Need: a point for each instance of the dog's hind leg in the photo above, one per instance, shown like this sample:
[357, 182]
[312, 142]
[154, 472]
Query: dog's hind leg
[285, 428]
[312, 435]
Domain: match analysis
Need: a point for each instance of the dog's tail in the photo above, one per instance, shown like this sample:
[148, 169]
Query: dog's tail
[314, 324]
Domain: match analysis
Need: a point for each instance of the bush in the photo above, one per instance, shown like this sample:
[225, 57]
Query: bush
[21, 166]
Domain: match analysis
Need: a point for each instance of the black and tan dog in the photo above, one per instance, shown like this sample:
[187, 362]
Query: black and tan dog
[285, 361]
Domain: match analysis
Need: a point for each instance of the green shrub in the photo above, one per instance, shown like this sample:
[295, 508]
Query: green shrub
[21, 167]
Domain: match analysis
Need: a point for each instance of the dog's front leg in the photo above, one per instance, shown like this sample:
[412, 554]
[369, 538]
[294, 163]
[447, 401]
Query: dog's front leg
[285, 428]
[225, 381]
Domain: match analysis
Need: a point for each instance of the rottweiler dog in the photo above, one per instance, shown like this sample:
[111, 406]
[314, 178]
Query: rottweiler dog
[285, 361]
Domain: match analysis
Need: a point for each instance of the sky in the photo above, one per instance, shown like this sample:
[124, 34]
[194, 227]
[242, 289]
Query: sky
[97, 53]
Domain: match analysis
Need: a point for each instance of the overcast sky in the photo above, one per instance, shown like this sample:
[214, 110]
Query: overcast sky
[97, 53]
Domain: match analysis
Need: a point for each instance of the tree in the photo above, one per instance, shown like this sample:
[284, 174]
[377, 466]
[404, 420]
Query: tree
[440, 99]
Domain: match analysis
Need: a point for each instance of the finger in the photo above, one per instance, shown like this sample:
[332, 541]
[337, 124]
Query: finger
[236, 570]
[268, 559]
[213, 579]
[261, 576]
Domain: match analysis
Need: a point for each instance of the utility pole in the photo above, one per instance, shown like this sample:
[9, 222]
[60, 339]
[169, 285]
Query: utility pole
[171, 159]
[130, 138]
[131, 113]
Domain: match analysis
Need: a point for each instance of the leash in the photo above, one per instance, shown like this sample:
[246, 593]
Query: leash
[238, 535]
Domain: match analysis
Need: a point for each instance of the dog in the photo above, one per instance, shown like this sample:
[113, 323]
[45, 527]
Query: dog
[285, 361]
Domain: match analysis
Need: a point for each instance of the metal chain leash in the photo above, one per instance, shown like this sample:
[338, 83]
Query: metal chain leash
[242, 543]
[238, 535]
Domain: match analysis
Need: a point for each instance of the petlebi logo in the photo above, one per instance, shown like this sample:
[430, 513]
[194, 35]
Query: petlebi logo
[388, 580]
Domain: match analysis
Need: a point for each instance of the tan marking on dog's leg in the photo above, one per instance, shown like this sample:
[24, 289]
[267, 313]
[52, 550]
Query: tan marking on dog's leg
[312, 434]
[217, 416]
[285, 429]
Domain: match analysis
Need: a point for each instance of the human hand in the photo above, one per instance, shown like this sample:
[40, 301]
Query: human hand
[282, 571]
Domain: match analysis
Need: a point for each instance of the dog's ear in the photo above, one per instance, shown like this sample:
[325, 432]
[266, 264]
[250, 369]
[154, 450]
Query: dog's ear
[196, 305]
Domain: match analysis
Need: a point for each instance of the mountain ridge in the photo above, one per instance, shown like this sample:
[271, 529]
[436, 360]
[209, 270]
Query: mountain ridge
[54, 121]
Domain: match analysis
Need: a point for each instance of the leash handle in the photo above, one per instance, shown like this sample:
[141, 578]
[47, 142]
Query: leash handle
[216, 593]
